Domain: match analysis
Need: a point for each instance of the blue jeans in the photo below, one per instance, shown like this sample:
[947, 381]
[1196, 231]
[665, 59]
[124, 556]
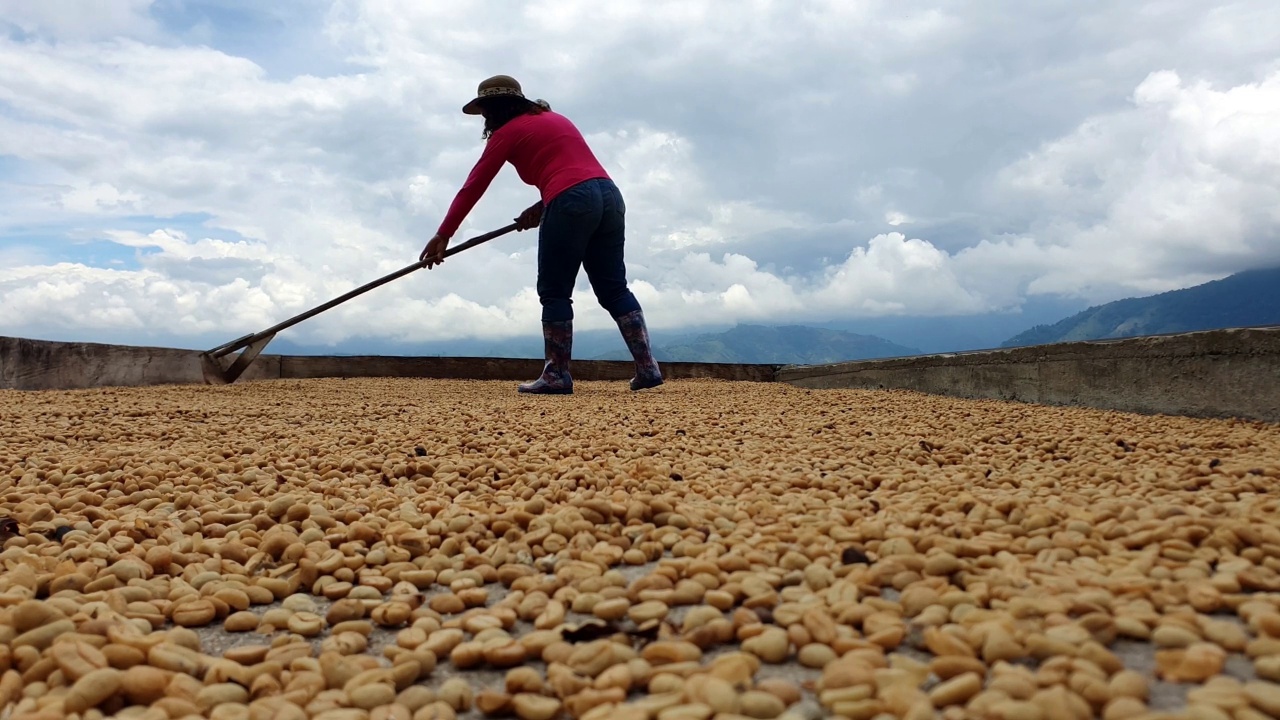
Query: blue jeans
[583, 227]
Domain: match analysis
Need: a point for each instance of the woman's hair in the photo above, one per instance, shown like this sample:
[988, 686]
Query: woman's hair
[502, 109]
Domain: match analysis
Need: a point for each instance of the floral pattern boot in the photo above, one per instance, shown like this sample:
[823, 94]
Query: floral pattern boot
[555, 380]
[636, 335]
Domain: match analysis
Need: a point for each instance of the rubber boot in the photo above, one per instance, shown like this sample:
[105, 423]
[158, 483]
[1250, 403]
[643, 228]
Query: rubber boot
[636, 335]
[557, 338]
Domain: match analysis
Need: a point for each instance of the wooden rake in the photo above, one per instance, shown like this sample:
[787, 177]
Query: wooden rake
[220, 369]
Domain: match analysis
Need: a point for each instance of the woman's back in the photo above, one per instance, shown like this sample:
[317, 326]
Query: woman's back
[548, 152]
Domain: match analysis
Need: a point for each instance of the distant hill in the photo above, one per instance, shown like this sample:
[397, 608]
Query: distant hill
[1247, 298]
[526, 345]
[783, 345]
[957, 333]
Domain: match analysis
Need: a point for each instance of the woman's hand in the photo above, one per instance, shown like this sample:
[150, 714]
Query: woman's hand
[530, 217]
[433, 253]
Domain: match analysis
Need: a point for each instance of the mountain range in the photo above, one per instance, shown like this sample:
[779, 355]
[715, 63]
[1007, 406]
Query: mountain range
[783, 345]
[832, 341]
[1247, 298]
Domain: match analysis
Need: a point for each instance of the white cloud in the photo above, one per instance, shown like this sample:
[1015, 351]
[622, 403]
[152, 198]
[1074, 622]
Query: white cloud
[875, 158]
[173, 244]
[670, 205]
[75, 20]
[91, 198]
[1180, 188]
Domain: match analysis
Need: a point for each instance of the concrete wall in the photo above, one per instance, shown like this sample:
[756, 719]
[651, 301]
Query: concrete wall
[44, 365]
[1219, 373]
[512, 369]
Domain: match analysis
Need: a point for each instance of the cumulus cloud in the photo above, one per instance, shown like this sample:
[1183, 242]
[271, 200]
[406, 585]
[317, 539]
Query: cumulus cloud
[72, 20]
[1181, 187]
[785, 162]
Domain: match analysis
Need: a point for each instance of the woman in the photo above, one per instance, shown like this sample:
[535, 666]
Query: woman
[582, 218]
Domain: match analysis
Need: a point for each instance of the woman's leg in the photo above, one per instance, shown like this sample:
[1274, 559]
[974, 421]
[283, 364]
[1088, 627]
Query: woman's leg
[567, 224]
[607, 271]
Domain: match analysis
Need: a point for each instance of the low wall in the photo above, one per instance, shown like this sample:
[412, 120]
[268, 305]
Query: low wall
[1218, 373]
[46, 365]
[513, 369]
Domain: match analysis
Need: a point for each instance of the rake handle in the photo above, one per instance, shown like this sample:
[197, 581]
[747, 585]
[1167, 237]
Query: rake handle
[250, 339]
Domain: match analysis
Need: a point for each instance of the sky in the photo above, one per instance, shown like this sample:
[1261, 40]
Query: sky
[206, 169]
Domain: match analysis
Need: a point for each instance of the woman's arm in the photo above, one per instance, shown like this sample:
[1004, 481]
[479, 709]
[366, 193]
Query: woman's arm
[487, 167]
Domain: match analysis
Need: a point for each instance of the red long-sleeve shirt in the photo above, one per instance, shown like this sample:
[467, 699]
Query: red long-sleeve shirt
[547, 152]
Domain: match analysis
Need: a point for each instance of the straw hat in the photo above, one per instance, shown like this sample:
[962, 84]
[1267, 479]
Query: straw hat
[495, 86]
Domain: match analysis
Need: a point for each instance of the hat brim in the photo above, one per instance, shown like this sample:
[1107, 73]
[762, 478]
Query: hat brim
[474, 107]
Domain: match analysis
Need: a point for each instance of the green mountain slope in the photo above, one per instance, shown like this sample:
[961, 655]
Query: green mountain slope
[789, 344]
[1247, 298]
